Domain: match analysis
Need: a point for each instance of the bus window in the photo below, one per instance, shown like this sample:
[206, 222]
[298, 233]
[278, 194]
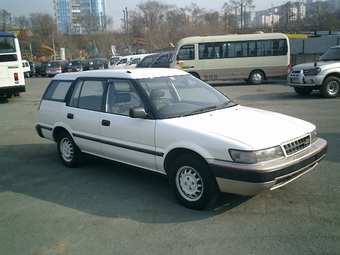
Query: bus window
[186, 52]
[251, 49]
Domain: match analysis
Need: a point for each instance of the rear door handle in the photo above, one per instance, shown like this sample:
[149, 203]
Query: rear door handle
[106, 123]
[70, 116]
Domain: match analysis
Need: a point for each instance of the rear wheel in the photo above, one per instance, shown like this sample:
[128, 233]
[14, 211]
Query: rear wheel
[256, 77]
[193, 182]
[303, 91]
[330, 87]
[69, 153]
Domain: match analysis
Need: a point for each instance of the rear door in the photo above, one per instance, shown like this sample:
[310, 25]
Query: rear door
[83, 114]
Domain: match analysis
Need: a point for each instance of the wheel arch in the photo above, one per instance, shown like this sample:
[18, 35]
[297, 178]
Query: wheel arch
[175, 153]
[57, 131]
[336, 74]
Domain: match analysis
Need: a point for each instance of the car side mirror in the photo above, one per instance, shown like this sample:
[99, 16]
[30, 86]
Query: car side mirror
[138, 112]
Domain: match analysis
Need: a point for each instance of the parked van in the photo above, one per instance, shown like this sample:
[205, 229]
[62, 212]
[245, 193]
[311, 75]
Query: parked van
[122, 62]
[113, 60]
[26, 68]
[56, 67]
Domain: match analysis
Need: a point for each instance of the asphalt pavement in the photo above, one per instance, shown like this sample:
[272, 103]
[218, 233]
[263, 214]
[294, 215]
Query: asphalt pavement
[108, 208]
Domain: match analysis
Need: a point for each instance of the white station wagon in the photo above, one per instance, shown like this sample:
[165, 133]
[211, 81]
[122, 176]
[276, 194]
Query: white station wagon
[167, 121]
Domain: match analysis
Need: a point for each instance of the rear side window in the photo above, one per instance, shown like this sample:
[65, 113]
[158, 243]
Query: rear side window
[57, 90]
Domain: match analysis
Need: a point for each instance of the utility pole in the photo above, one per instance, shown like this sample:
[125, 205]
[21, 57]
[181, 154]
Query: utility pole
[236, 17]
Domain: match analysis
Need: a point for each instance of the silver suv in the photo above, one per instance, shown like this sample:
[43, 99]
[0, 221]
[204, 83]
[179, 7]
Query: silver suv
[323, 75]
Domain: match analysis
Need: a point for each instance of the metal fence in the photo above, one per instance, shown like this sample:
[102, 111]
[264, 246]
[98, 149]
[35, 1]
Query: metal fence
[309, 50]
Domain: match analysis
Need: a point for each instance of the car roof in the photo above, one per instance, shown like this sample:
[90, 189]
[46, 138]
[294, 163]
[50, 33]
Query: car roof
[132, 73]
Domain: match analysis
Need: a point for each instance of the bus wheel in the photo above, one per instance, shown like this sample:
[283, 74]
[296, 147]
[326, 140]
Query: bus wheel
[196, 75]
[256, 77]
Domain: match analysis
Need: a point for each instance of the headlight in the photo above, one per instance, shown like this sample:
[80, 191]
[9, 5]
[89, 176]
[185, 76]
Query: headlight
[314, 71]
[313, 136]
[252, 157]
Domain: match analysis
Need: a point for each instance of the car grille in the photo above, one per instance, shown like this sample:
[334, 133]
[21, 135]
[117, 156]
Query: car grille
[296, 72]
[297, 145]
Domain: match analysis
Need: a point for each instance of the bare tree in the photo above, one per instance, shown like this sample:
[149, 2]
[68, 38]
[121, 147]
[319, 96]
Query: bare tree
[243, 6]
[287, 14]
[5, 19]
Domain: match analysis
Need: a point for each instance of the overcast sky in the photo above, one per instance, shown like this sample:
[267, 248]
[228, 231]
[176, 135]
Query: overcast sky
[115, 7]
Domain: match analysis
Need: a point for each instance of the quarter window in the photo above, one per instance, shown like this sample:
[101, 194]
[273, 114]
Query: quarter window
[57, 90]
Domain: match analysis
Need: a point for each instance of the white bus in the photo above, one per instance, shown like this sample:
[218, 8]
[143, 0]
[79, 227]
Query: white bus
[12, 80]
[252, 57]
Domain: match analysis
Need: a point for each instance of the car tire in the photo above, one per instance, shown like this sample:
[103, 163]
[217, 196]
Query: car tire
[303, 91]
[330, 87]
[256, 77]
[69, 153]
[192, 181]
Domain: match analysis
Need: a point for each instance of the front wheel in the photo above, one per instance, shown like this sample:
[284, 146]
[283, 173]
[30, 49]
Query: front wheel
[256, 77]
[303, 91]
[69, 153]
[193, 183]
[330, 87]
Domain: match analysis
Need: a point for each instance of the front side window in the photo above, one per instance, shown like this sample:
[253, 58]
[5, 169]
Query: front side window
[88, 94]
[121, 97]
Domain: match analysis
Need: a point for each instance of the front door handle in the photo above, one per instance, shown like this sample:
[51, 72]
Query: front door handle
[106, 123]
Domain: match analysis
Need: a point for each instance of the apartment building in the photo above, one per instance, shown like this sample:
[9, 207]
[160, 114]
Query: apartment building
[80, 16]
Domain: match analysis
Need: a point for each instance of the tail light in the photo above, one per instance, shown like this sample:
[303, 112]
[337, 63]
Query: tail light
[16, 77]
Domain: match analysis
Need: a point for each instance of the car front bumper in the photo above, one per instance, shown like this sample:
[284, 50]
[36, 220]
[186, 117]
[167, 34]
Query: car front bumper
[298, 79]
[253, 179]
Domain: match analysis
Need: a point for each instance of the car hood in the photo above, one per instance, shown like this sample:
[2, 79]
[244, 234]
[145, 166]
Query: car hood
[310, 65]
[256, 128]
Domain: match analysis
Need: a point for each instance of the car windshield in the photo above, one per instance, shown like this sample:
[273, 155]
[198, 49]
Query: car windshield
[97, 62]
[184, 95]
[54, 64]
[331, 54]
[75, 63]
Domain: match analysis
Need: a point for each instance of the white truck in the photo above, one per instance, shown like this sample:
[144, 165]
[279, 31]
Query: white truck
[323, 75]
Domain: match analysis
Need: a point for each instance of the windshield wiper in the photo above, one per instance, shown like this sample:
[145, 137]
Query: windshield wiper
[225, 104]
[199, 110]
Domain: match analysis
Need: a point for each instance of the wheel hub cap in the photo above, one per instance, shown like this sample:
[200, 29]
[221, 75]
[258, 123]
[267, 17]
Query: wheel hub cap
[190, 184]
